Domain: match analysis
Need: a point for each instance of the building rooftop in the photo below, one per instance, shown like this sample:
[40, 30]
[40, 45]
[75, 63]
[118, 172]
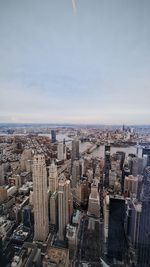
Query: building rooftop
[57, 256]
[20, 234]
[71, 232]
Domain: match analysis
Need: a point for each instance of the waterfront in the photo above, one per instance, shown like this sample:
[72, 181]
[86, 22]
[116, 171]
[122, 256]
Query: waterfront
[99, 151]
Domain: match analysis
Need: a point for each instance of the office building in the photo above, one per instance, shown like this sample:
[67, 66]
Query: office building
[53, 188]
[53, 178]
[94, 201]
[26, 216]
[135, 166]
[26, 156]
[116, 233]
[106, 216]
[140, 186]
[140, 151]
[147, 174]
[75, 150]
[71, 235]
[131, 185]
[144, 229]
[146, 151]
[53, 136]
[64, 205]
[145, 160]
[121, 157]
[75, 173]
[146, 154]
[125, 172]
[29, 256]
[4, 168]
[130, 159]
[40, 191]
[54, 208]
[60, 151]
[140, 166]
[56, 257]
[82, 167]
[136, 209]
[2, 174]
[107, 165]
[3, 194]
[112, 178]
[81, 193]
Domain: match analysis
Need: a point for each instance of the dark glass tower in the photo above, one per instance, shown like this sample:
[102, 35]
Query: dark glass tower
[116, 233]
[144, 236]
[107, 166]
[53, 136]
[121, 156]
[75, 149]
[26, 216]
[146, 151]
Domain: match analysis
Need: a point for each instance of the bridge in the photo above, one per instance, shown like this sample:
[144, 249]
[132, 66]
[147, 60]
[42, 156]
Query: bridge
[68, 140]
[89, 150]
[64, 167]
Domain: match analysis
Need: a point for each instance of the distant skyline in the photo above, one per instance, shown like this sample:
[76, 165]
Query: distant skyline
[83, 61]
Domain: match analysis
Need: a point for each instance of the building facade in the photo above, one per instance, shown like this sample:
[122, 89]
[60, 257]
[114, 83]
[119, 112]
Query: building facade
[40, 191]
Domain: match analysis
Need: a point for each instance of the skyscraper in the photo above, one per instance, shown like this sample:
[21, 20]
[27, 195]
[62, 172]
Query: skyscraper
[75, 149]
[94, 201]
[144, 229]
[40, 198]
[53, 136]
[135, 166]
[134, 222]
[54, 208]
[60, 151]
[116, 237]
[26, 216]
[125, 172]
[75, 173]
[120, 156]
[131, 185]
[53, 177]
[53, 187]
[107, 166]
[64, 201]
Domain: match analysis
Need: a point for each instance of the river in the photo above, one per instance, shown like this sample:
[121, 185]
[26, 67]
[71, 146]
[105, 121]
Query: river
[99, 151]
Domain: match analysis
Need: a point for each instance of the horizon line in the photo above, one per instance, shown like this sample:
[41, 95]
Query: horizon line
[72, 124]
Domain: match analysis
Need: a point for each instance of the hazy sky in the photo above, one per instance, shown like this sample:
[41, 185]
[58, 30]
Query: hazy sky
[88, 66]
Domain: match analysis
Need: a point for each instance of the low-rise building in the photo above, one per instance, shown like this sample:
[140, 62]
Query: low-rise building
[56, 257]
[29, 256]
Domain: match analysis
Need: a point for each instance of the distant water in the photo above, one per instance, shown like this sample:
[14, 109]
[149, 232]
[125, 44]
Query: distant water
[59, 137]
[98, 152]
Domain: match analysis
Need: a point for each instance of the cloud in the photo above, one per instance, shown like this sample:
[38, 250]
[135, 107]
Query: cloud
[93, 67]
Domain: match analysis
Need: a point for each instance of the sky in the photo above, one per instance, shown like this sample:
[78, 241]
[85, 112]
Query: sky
[75, 61]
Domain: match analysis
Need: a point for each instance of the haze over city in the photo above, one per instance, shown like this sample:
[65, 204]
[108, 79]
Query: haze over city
[74, 133]
[75, 61]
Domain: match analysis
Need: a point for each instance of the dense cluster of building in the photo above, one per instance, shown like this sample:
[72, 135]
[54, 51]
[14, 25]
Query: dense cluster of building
[60, 206]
